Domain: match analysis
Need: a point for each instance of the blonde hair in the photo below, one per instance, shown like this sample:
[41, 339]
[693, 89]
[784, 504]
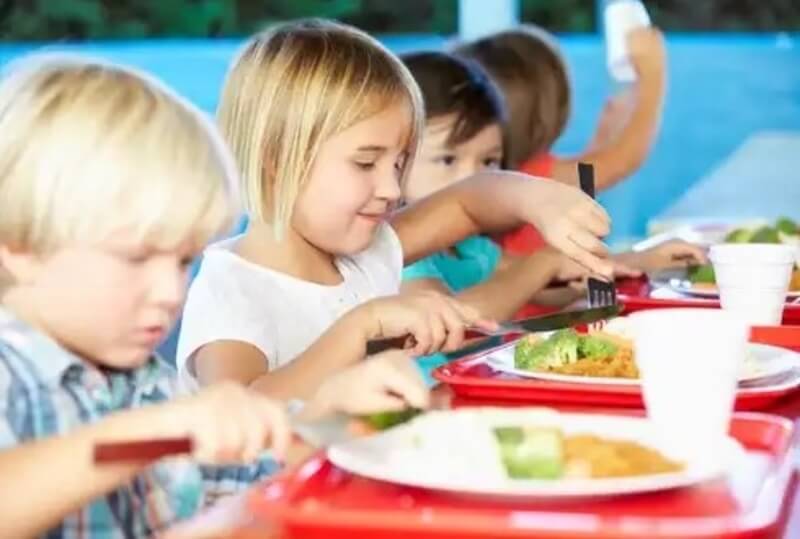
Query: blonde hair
[291, 88]
[89, 148]
[528, 66]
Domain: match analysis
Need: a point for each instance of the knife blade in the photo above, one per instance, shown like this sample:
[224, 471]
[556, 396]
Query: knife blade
[554, 321]
[549, 322]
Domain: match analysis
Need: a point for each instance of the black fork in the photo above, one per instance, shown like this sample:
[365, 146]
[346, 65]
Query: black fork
[599, 293]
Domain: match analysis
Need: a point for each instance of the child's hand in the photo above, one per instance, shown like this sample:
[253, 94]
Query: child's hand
[385, 382]
[436, 322]
[571, 222]
[668, 255]
[647, 51]
[575, 275]
[230, 424]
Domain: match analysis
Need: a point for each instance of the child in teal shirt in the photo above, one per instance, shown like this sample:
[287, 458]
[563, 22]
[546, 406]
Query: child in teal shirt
[464, 134]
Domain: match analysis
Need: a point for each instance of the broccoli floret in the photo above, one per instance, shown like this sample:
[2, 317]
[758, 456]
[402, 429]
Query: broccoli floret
[531, 453]
[786, 226]
[765, 235]
[559, 349]
[530, 354]
[596, 347]
[565, 347]
[740, 235]
[702, 274]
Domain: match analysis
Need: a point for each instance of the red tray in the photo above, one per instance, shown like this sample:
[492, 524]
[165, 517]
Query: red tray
[471, 379]
[320, 501]
[636, 295]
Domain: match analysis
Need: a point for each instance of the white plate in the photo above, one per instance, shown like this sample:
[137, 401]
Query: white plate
[764, 361]
[688, 289]
[454, 451]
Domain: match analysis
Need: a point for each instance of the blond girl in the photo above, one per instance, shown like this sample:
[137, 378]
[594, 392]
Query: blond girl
[324, 123]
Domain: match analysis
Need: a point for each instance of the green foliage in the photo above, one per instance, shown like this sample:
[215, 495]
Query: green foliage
[22, 20]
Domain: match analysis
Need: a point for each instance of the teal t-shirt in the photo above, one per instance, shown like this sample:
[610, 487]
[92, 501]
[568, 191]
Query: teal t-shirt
[474, 261]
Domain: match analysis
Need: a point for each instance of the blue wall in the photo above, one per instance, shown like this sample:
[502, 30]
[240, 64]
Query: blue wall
[722, 88]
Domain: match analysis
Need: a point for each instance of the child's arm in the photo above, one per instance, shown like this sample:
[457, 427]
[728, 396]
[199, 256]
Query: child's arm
[46, 480]
[435, 321]
[510, 288]
[626, 151]
[668, 255]
[495, 201]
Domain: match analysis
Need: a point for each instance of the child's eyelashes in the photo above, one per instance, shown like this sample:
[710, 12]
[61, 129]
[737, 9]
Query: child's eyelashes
[446, 160]
[187, 262]
[491, 162]
[364, 165]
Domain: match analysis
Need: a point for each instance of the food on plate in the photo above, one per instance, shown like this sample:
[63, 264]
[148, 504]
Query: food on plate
[386, 420]
[702, 274]
[702, 277]
[785, 230]
[599, 354]
[547, 453]
[608, 353]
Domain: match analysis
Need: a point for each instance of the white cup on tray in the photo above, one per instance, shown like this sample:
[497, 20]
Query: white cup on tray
[753, 279]
[689, 362]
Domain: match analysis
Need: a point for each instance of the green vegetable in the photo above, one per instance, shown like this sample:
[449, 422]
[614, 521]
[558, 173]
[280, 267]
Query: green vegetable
[531, 453]
[786, 226]
[559, 349]
[565, 347]
[740, 235]
[702, 274]
[596, 347]
[530, 355]
[387, 420]
[509, 435]
[765, 235]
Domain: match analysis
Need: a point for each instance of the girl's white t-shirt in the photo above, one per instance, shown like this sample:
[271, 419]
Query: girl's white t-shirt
[281, 315]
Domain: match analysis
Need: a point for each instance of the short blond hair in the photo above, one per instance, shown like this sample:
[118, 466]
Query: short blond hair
[291, 88]
[88, 147]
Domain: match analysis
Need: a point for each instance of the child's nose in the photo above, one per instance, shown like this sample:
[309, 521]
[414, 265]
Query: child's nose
[388, 188]
[168, 289]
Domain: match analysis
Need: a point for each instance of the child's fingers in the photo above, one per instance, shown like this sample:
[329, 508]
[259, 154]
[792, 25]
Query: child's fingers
[438, 332]
[595, 219]
[230, 442]
[454, 323]
[694, 253]
[590, 252]
[421, 332]
[403, 379]
[621, 270]
[421, 396]
[278, 429]
[255, 431]
[381, 402]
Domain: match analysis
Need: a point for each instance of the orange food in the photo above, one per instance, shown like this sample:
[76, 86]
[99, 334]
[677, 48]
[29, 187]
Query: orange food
[589, 456]
[622, 365]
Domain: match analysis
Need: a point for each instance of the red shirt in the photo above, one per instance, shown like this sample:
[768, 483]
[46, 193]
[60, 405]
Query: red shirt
[526, 239]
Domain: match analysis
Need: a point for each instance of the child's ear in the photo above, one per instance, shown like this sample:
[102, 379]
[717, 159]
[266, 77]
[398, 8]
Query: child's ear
[22, 265]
